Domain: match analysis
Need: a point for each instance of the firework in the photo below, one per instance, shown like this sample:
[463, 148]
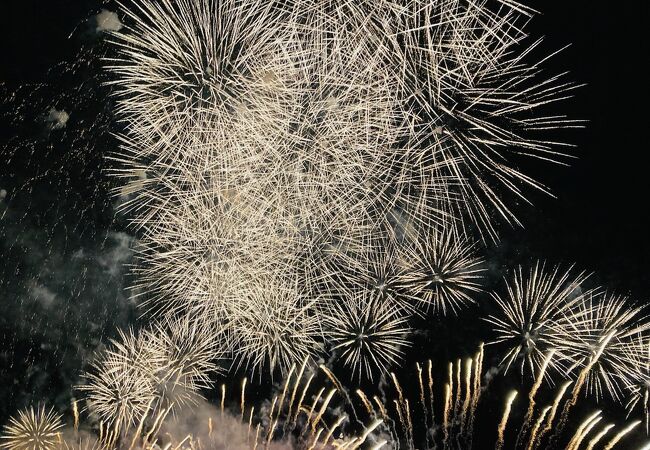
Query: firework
[598, 335]
[262, 140]
[159, 369]
[33, 429]
[637, 388]
[530, 317]
[373, 268]
[311, 406]
[461, 407]
[368, 332]
[305, 176]
[119, 387]
[441, 271]
[182, 355]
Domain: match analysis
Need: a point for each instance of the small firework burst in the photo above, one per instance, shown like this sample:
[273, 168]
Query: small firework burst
[119, 387]
[33, 429]
[529, 319]
[597, 333]
[440, 272]
[374, 268]
[368, 331]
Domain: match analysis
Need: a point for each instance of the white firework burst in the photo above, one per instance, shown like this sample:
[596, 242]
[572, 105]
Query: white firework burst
[368, 331]
[441, 271]
[161, 368]
[597, 333]
[33, 429]
[119, 388]
[529, 319]
[182, 356]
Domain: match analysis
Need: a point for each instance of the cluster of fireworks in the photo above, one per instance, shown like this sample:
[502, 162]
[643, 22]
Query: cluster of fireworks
[283, 171]
[290, 165]
[306, 177]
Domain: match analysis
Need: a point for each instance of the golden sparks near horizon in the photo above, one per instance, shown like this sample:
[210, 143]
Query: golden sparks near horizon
[321, 423]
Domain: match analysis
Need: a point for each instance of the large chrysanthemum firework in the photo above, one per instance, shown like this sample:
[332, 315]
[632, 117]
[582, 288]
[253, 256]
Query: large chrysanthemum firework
[274, 144]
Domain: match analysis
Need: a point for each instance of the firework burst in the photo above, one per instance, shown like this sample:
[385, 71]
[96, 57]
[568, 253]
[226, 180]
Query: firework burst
[182, 356]
[598, 334]
[119, 387]
[368, 331]
[161, 368]
[33, 429]
[441, 272]
[530, 317]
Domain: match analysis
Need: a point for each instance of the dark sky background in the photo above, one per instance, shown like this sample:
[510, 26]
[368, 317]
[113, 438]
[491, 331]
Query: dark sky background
[62, 247]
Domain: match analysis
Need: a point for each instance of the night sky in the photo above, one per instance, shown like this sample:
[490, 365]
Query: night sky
[63, 248]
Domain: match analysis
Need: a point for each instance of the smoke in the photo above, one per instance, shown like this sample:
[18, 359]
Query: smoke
[107, 21]
[64, 252]
[62, 297]
[118, 254]
[491, 373]
[197, 426]
[207, 427]
[42, 295]
[56, 119]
